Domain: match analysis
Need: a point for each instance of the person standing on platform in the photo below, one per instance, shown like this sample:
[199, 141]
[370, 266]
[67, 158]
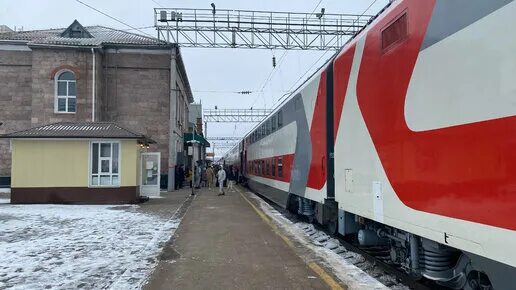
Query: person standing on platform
[221, 176]
[189, 176]
[176, 177]
[181, 176]
[231, 179]
[198, 175]
[210, 175]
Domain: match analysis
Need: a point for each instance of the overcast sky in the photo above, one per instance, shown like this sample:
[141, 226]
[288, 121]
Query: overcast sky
[213, 73]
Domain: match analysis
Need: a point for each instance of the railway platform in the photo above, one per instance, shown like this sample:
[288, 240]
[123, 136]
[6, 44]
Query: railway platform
[225, 242]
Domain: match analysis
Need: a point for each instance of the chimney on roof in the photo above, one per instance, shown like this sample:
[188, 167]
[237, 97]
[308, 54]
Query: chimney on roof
[5, 29]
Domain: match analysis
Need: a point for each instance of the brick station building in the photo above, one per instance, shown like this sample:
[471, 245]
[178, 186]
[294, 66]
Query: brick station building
[94, 73]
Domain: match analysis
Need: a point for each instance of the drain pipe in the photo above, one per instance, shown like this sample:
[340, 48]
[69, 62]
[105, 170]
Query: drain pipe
[93, 85]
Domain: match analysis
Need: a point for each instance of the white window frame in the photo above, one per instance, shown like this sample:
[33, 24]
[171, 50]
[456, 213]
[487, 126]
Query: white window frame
[99, 165]
[67, 97]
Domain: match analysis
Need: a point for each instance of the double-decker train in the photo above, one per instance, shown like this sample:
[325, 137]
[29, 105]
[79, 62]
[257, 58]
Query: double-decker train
[406, 139]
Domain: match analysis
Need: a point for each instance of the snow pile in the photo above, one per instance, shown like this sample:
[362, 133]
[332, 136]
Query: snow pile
[79, 246]
[343, 263]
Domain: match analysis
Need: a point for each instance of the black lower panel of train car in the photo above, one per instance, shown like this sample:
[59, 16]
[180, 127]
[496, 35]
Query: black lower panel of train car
[277, 196]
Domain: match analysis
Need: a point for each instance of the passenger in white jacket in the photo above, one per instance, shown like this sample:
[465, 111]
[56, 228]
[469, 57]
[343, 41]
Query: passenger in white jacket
[221, 176]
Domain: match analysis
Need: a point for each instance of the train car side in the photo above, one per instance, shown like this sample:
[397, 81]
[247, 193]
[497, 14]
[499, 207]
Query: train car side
[405, 140]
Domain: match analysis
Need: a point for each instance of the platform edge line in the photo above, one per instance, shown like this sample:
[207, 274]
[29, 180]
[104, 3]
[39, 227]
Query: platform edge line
[327, 278]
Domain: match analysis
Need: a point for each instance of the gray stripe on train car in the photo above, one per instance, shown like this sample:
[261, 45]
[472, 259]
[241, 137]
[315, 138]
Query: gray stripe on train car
[450, 17]
[294, 111]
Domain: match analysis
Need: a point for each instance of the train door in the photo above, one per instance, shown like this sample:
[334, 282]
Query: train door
[330, 145]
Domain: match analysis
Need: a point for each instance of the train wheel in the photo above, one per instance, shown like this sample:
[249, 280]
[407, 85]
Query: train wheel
[478, 281]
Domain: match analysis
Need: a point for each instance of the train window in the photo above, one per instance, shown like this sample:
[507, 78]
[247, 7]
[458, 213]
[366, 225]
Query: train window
[267, 167]
[273, 123]
[280, 119]
[267, 127]
[280, 166]
[395, 32]
[263, 168]
[273, 167]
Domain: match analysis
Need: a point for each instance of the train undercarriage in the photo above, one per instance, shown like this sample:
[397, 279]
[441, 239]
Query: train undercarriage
[419, 257]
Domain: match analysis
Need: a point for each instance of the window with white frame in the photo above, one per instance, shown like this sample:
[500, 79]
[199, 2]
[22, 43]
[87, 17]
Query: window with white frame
[105, 163]
[66, 95]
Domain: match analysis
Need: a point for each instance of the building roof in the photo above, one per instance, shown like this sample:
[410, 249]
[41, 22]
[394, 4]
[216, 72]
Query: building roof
[90, 36]
[80, 36]
[5, 28]
[78, 130]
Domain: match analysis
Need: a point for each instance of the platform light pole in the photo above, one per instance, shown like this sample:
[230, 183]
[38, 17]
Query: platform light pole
[193, 161]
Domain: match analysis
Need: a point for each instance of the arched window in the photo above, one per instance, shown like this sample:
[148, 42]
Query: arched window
[65, 93]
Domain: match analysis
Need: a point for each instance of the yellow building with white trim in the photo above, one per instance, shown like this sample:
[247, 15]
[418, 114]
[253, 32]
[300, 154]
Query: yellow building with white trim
[76, 163]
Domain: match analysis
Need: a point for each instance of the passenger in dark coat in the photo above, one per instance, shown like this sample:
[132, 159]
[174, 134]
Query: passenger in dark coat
[176, 177]
[231, 178]
[181, 176]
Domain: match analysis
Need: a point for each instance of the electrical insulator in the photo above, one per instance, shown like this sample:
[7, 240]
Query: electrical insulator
[273, 61]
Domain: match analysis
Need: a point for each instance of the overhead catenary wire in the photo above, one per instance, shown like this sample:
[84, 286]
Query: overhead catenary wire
[157, 3]
[274, 69]
[317, 61]
[112, 17]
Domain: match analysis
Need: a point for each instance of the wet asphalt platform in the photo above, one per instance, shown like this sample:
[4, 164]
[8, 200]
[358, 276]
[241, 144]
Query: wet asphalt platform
[223, 242]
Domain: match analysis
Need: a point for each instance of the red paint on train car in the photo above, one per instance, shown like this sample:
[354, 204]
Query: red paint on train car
[341, 71]
[466, 171]
[317, 171]
[286, 162]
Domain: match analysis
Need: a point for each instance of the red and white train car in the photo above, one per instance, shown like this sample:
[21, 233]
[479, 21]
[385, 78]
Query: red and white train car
[407, 140]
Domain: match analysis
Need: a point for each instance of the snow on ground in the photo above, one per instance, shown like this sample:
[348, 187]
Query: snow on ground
[329, 250]
[5, 190]
[79, 246]
[5, 200]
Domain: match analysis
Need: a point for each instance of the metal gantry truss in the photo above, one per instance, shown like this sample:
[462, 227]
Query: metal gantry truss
[224, 146]
[256, 29]
[223, 138]
[235, 115]
[224, 142]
